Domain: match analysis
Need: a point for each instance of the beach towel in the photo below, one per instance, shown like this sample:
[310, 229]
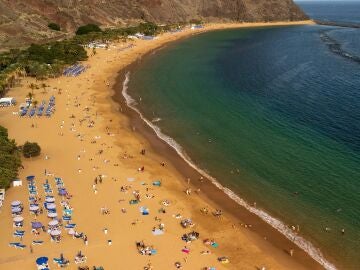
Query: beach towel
[157, 232]
[144, 210]
[214, 245]
[37, 242]
[153, 251]
[157, 183]
[186, 250]
[133, 201]
[130, 179]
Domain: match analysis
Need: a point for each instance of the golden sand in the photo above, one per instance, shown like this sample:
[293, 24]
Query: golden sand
[76, 159]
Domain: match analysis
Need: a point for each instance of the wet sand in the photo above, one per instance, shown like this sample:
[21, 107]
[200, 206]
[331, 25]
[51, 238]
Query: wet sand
[113, 132]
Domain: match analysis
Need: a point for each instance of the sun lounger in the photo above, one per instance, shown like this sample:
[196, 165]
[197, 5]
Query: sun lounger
[17, 245]
[37, 242]
[66, 218]
[16, 234]
[23, 112]
[70, 226]
[32, 112]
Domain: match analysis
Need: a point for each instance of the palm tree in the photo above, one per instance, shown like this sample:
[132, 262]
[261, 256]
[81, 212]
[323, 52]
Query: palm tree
[43, 85]
[35, 102]
[30, 95]
[33, 86]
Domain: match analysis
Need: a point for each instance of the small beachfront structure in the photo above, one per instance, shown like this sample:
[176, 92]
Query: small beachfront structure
[7, 101]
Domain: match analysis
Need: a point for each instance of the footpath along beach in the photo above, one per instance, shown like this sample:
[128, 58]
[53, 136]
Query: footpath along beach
[117, 195]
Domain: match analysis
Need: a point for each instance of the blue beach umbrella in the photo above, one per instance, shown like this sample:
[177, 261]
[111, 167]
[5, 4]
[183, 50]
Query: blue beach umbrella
[30, 177]
[15, 203]
[36, 225]
[16, 210]
[62, 192]
[42, 260]
[51, 206]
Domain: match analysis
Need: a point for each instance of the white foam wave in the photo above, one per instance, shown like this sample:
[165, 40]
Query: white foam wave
[156, 120]
[302, 243]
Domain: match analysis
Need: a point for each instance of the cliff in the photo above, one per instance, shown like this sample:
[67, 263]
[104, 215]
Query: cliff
[22, 22]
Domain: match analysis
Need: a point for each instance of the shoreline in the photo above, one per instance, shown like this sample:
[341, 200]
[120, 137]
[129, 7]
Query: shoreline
[239, 211]
[109, 109]
[212, 191]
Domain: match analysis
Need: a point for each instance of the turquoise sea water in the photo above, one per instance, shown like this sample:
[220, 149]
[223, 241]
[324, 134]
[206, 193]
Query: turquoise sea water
[274, 115]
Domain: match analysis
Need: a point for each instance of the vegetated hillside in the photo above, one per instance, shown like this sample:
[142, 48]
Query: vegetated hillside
[25, 21]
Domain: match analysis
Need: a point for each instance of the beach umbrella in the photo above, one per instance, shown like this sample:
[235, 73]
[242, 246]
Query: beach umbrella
[30, 177]
[36, 225]
[55, 233]
[50, 200]
[15, 203]
[62, 192]
[18, 219]
[34, 208]
[16, 210]
[52, 215]
[51, 206]
[42, 260]
[53, 222]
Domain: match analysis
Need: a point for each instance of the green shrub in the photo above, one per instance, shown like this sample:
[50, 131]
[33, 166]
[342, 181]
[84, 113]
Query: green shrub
[86, 29]
[54, 26]
[31, 149]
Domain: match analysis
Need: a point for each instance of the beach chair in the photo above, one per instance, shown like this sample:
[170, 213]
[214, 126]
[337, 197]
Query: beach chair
[70, 226]
[37, 242]
[17, 245]
[32, 112]
[19, 234]
[66, 218]
[23, 112]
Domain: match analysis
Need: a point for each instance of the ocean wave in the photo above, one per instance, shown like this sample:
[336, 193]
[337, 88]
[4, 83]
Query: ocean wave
[301, 242]
[336, 47]
[156, 120]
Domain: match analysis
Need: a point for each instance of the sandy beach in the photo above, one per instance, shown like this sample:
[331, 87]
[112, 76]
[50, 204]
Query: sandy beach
[91, 134]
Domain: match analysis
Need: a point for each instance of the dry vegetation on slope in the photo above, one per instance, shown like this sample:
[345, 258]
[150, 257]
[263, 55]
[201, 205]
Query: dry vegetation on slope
[23, 22]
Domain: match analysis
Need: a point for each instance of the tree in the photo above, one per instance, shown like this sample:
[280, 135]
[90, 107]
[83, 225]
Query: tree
[54, 26]
[86, 29]
[32, 86]
[30, 95]
[9, 159]
[35, 103]
[30, 149]
[43, 86]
